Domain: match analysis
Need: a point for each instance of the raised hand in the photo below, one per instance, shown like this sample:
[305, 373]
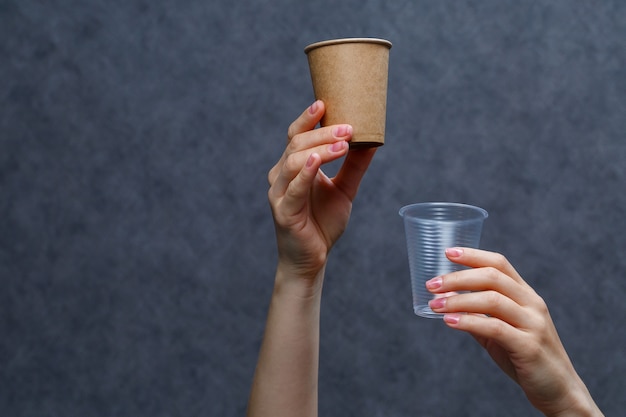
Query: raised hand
[311, 210]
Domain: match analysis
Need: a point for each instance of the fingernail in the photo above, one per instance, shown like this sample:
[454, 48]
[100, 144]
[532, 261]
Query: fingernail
[434, 283]
[342, 130]
[452, 319]
[437, 303]
[310, 160]
[314, 107]
[337, 146]
[454, 252]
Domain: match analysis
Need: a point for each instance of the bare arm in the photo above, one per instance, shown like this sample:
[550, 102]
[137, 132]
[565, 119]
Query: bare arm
[285, 382]
[310, 212]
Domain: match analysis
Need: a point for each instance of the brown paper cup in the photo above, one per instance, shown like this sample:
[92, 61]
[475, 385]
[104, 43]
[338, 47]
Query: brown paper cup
[350, 77]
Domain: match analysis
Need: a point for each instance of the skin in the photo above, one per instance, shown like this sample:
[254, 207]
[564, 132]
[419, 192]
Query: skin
[512, 322]
[310, 212]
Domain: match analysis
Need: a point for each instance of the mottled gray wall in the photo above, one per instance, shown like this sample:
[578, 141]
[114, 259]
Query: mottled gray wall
[136, 244]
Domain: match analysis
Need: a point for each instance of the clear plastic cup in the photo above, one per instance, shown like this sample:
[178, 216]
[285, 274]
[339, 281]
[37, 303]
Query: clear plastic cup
[430, 229]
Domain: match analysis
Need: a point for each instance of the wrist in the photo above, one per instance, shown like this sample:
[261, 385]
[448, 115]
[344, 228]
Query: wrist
[577, 403]
[292, 281]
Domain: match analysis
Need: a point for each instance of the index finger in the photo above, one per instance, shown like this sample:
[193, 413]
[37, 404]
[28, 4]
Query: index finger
[307, 120]
[476, 258]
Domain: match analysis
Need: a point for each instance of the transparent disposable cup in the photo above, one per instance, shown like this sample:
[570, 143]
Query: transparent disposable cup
[430, 229]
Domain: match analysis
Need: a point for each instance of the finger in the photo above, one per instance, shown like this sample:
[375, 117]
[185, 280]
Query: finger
[352, 171]
[482, 279]
[296, 195]
[317, 137]
[303, 144]
[293, 163]
[490, 303]
[490, 328]
[307, 120]
[477, 258]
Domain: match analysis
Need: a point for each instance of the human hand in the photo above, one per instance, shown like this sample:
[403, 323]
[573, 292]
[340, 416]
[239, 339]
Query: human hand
[511, 321]
[310, 210]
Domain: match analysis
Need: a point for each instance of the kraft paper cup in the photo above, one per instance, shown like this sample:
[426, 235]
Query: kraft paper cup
[430, 229]
[350, 76]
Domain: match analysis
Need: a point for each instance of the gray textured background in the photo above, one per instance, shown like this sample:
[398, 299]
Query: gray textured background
[136, 244]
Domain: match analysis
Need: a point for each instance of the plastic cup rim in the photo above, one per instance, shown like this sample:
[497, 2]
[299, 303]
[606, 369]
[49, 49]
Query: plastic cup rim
[482, 214]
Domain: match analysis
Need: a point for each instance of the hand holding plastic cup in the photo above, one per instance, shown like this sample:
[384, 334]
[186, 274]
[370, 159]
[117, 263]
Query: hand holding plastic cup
[430, 229]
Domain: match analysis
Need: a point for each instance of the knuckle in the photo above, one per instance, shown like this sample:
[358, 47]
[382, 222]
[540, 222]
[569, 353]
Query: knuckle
[492, 274]
[292, 131]
[295, 138]
[539, 323]
[493, 298]
[500, 261]
[497, 329]
[271, 175]
[540, 305]
[273, 200]
[291, 164]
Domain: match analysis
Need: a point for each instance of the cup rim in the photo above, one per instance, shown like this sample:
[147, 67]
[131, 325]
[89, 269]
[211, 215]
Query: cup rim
[481, 213]
[328, 42]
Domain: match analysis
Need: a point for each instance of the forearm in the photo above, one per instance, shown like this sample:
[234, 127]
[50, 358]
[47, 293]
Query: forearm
[286, 378]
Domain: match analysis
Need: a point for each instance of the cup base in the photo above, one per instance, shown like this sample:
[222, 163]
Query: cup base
[426, 312]
[364, 145]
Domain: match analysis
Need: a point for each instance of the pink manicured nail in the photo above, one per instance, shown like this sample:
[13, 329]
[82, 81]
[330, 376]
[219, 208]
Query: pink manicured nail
[310, 160]
[437, 303]
[454, 252]
[434, 283]
[452, 318]
[342, 130]
[337, 146]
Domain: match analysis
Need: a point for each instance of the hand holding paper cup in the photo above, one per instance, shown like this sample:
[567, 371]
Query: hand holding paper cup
[350, 76]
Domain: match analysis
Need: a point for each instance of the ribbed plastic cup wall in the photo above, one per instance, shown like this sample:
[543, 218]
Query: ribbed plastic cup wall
[430, 229]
